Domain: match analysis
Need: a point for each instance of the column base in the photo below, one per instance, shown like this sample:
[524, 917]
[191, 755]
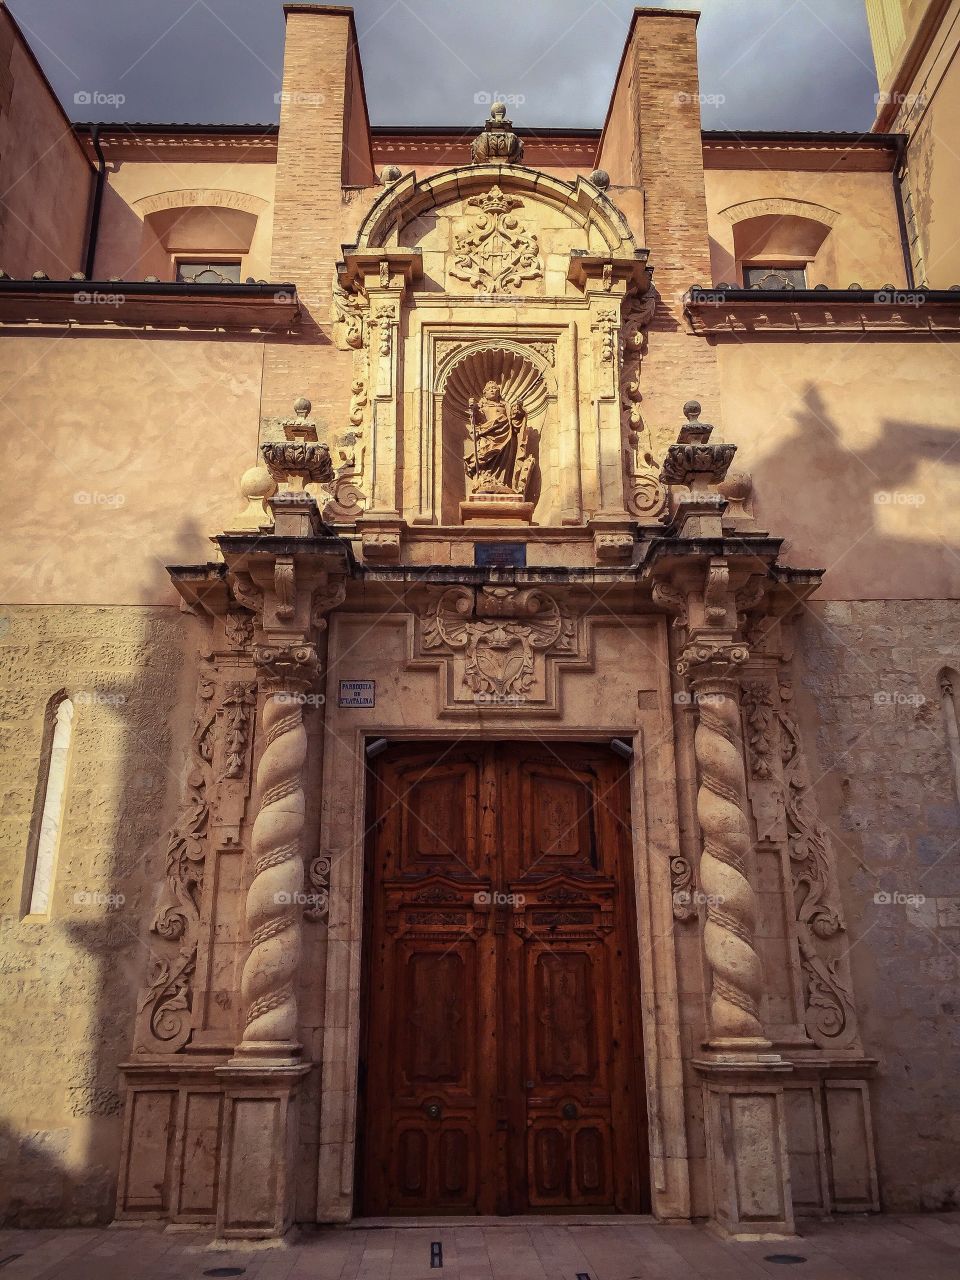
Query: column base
[259, 1147]
[745, 1121]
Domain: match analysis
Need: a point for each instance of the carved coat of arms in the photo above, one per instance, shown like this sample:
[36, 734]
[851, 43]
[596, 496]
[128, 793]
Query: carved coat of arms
[496, 252]
[500, 631]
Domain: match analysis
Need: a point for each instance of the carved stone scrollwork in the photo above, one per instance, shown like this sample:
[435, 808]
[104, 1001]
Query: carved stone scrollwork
[348, 314]
[673, 599]
[318, 884]
[326, 599]
[285, 586]
[681, 884]
[707, 656]
[496, 252]
[831, 1018]
[165, 1009]
[646, 496]
[500, 631]
[245, 593]
[292, 665]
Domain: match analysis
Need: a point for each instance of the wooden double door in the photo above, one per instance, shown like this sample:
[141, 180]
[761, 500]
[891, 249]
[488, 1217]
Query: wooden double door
[501, 1067]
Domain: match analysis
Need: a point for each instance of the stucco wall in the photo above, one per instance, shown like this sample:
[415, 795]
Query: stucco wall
[224, 175]
[70, 981]
[871, 707]
[45, 178]
[863, 245]
[852, 447]
[121, 455]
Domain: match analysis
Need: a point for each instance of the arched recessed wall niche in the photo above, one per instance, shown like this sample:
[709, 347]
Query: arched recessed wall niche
[524, 374]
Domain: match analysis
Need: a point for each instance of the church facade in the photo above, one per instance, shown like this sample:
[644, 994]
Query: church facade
[480, 662]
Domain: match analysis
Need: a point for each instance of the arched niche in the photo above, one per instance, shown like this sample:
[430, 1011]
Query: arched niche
[784, 232]
[524, 374]
[581, 201]
[197, 222]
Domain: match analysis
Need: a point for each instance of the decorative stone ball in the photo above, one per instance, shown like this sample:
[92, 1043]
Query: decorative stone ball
[302, 407]
[737, 486]
[392, 173]
[498, 111]
[257, 482]
[692, 409]
[600, 179]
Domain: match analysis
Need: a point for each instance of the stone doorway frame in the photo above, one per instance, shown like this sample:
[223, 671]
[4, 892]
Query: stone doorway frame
[655, 838]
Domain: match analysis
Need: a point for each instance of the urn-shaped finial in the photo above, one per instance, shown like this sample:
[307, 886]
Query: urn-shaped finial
[498, 144]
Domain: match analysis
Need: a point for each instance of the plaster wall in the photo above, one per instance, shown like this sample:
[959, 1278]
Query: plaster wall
[863, 243]
[851, 443]
[45, 176]
[129, 472]
[241, 177]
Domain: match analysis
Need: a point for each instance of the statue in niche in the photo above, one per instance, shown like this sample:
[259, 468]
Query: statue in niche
[498, 456]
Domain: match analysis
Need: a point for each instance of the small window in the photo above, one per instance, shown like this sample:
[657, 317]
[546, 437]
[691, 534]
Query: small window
[774, 277]
[208, 272]
[48, 813]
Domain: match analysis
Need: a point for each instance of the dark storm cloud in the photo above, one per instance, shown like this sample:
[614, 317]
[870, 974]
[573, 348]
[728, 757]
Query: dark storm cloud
[777, 64]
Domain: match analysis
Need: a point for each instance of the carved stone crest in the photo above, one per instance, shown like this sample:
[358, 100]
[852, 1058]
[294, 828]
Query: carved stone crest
[500, 631]
[496, 252]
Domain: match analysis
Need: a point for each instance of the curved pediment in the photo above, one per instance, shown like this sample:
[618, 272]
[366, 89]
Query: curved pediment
[581, 204]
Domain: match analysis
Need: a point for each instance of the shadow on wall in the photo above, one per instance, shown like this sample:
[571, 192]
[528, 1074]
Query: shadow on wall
[875, 519]
[73, 979]
[870, 704]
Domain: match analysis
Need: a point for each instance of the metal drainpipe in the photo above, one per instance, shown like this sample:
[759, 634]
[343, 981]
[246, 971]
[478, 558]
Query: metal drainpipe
[898, 169]
[94, 233]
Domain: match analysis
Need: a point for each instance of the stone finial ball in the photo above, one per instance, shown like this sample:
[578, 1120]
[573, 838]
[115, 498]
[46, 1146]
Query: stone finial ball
[692, 410]
[391, 173]
[499, 110]
[302, 407]
[600, 179]
[257, 482]
[737, 486]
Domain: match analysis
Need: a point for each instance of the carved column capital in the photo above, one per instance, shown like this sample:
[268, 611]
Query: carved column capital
[293, 667]
[713, 664]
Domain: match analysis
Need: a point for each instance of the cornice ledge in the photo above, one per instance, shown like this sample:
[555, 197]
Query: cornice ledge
[727, 309]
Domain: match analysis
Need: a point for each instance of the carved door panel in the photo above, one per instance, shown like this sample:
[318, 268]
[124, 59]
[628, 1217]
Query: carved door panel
[575, 1121]
[500, 1069]
[430, 990]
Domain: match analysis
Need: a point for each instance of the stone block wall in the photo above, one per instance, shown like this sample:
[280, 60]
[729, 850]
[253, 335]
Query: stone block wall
[71, 979]
[872, 715]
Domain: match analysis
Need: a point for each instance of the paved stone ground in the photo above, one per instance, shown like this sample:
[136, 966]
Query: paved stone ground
[891, 1247]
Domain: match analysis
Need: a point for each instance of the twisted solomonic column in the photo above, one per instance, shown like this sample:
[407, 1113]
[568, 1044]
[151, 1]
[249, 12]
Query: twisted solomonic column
[731, 903]
[275, 897]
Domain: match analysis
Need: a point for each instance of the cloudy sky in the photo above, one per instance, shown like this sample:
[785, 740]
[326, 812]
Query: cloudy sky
[764, 64]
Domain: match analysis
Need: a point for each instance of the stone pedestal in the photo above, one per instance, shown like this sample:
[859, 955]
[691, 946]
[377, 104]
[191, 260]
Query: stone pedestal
[746, 1132]
[258, 1149]
[496, 508]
